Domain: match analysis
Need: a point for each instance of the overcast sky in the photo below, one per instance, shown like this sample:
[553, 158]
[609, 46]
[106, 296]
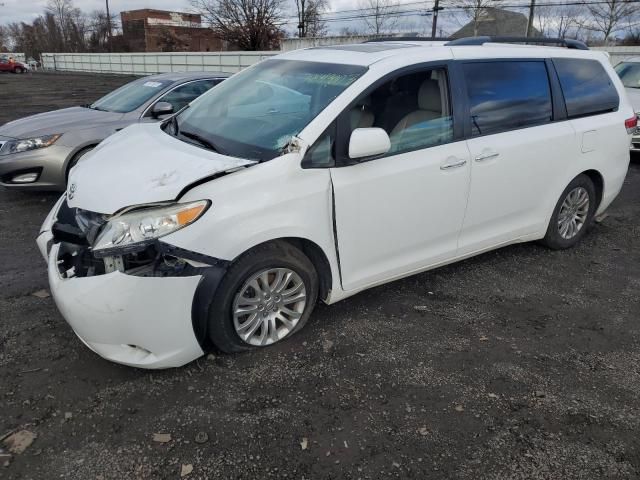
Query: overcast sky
[27, 10]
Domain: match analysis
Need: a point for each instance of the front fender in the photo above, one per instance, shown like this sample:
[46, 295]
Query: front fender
[268, 201]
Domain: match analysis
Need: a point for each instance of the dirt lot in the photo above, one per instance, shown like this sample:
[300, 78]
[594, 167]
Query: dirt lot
[520, 364]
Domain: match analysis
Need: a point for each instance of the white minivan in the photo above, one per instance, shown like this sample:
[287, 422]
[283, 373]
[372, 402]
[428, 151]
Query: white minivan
[319, 173]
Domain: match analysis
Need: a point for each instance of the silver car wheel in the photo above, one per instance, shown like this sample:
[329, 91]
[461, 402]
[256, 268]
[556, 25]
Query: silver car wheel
[573, 213]
[268, 306]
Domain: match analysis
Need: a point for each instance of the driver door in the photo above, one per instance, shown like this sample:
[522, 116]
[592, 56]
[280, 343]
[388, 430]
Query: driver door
[403, 212]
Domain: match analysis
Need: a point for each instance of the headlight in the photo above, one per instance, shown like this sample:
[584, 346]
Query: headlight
[17, 146]
[140, 226]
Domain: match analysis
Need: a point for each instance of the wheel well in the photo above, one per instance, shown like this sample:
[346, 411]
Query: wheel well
[598, 182]
[318, 259]
[71, 161]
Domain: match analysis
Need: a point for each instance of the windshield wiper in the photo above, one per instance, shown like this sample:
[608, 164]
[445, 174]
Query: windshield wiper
[92, 107]
[201, 140]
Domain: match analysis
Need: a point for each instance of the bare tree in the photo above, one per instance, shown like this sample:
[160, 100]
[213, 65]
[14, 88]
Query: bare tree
[380, 15]
[4, 39]
[350, 32]
[474, 10]
[310, 22]
[607, 16]
[249, 24]
[61, 10]
[560, 21]
[99, 26]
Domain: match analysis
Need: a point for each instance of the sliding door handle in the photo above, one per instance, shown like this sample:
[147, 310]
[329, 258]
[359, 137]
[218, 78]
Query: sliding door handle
[486, 156]
[454, 164]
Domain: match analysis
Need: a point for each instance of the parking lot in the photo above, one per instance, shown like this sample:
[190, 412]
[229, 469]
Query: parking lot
[523, 363]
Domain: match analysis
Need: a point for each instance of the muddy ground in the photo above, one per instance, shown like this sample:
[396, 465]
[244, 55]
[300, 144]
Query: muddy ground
[523, 363]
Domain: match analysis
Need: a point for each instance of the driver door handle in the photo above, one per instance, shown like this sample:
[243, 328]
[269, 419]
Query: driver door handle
[453, 163]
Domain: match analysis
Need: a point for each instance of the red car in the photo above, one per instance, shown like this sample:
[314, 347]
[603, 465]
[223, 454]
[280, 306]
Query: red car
[10, 65]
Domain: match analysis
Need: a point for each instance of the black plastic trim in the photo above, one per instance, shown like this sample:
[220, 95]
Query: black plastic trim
[174, 251]
[202, 299]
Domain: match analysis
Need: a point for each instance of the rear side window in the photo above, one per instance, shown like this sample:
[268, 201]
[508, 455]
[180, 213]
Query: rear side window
[507, 95]
[587, 88]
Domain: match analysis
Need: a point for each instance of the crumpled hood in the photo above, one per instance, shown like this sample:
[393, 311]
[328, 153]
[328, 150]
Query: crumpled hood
[57, 121]
[634, 98]
[141, 164]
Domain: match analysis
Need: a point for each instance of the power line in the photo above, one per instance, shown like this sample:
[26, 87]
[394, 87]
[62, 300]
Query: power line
[402, 13]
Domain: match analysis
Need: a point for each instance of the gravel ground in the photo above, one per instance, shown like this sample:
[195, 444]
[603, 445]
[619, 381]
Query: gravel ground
[519, 364]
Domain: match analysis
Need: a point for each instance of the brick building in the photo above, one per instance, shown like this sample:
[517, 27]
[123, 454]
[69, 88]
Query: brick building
[150, 30]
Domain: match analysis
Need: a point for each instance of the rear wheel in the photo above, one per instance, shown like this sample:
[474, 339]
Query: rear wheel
[573, 214]
[19, 70]
[267, 295]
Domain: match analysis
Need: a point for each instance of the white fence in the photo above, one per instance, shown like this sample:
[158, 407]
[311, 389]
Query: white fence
[149, 63]
[618, 54]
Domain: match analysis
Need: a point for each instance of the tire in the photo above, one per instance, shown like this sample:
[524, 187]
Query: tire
[75, 160]
[557, 238]
[19, 70]
[281, 256]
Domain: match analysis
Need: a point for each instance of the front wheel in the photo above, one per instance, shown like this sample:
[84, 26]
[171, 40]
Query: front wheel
[266, 296]
[573, 214]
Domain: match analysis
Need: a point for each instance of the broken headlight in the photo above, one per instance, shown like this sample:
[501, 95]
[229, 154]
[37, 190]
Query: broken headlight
[138, 227]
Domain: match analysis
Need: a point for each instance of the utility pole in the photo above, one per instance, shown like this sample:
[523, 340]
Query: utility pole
[108, 25]
[530, 22]
[434, 22]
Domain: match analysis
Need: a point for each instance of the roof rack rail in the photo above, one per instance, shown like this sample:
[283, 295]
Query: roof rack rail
[565, 42]
[409, 39]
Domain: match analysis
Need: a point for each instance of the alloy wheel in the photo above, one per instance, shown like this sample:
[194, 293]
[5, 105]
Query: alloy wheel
[268, 306]
[573, 213]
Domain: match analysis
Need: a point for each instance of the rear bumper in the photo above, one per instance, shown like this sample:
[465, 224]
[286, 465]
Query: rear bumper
[49, 163]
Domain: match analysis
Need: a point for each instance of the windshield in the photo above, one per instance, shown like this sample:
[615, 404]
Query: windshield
[629, 73]
[130, 96]
[255, 113]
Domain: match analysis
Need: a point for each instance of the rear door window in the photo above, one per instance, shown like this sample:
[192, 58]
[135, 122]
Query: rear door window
[506, 95]
[586, 86]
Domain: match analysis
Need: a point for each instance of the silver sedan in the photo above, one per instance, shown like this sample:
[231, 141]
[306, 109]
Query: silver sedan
[37, 152]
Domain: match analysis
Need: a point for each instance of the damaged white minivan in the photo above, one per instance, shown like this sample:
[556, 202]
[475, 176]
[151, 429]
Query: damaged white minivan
[319, 173]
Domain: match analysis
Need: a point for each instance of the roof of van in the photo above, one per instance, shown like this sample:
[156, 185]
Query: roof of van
[366, 54]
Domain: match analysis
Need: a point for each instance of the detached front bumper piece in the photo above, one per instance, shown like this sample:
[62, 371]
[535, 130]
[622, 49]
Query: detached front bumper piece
[138, 321]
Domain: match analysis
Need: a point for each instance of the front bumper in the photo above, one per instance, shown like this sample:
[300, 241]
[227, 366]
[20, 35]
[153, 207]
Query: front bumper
[49, 163]
[143, 322]
[138, 321]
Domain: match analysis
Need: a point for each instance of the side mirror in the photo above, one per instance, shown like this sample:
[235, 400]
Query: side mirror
[368, 142]
[161, 108]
